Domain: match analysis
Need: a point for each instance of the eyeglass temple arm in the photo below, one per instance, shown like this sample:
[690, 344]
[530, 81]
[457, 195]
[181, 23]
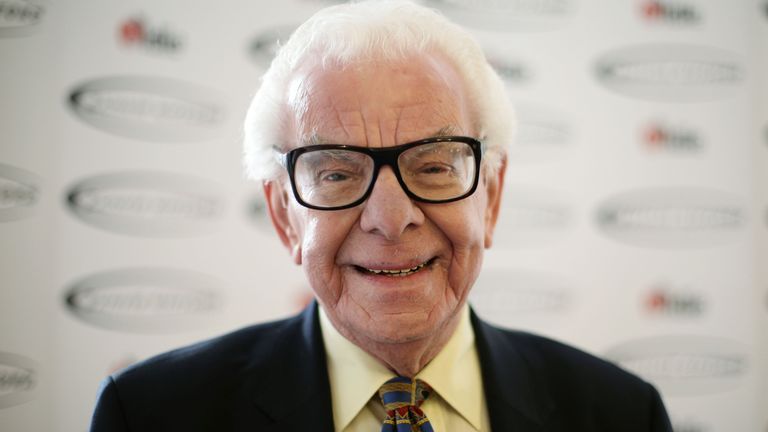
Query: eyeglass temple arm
[280, 157]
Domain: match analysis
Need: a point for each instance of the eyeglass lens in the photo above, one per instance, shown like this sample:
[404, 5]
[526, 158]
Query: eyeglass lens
[338, 177]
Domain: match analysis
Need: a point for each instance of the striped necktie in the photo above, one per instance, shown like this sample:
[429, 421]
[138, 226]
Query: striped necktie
[402, 398]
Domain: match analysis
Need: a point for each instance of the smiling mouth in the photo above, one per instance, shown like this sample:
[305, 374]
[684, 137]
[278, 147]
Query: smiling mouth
[395, 272]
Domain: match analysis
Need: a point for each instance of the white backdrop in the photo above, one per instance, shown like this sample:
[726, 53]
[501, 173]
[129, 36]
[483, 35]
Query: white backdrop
[635, 222]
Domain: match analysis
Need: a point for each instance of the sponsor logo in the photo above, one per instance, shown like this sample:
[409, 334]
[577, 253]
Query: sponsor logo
[19, 17]
[662, 11]
[19, 192]
[674, 73]
[264, 46]
[663, 300]
[148, 108]
[672, 217]
[149, 204]
[659, 136]
[18, 379]
[506, 296]
[543, 135]
[258, 212]
[136, 31]
[684, 365]
[513, 72]
[145, 299]
[532, 217]
[510, 15]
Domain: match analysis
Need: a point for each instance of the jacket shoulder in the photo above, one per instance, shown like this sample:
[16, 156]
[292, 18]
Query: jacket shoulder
[248, 347]
[573, 388]
[211, 385]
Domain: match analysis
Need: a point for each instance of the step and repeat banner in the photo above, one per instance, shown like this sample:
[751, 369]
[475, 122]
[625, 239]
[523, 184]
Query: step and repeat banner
[635, 220]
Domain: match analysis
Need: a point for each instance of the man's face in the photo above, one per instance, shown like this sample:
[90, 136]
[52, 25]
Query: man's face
[379, 104]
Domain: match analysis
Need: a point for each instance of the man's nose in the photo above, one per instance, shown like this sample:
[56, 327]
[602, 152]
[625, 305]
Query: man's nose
[389, 211]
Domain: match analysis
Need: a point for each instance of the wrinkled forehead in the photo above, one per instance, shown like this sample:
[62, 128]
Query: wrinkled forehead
[377, 103]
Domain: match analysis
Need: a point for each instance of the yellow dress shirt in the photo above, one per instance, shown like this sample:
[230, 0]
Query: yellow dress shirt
[456, 405]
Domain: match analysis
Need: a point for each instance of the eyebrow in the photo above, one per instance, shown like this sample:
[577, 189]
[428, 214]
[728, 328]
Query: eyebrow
[315, 139]
[340, 156]
[444, 131]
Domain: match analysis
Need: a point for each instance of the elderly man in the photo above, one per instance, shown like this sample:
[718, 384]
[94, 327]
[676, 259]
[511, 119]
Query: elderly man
[379, 134]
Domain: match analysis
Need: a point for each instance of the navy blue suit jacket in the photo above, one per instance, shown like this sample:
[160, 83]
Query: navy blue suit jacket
[273, 377]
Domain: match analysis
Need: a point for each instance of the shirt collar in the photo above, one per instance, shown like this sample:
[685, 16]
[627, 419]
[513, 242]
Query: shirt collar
[456, 375]
[355, 376]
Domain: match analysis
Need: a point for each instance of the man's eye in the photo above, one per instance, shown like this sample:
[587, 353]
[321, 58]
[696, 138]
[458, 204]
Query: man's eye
[435, 169]
[334, 176]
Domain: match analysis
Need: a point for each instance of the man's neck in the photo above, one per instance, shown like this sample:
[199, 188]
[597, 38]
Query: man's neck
[405, 358]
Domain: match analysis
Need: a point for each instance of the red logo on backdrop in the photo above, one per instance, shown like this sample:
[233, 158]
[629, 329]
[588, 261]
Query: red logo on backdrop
[656, 301]
[656, 11]
[132, 31]
[136, 32]
[658, 137]
[655, 136]
[653, 10]
[664, 301]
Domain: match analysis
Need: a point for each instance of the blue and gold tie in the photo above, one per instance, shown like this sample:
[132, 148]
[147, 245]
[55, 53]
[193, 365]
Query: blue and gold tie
[402, 398]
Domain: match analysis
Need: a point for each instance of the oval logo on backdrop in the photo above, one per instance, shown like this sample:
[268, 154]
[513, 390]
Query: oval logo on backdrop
[510, 15]
[508, 296]
[684, 365]
[258, 213]
[19, 192]
[531, 217]
[264, 45]
[19, 17]
[152, 204]
[145, 299]
[543, 135]
[672, 217]
[512, 71]
[149, 108]
[674, 73]
[18, 379]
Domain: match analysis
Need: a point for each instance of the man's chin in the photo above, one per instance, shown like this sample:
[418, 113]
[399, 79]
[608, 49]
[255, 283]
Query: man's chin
[401, 329]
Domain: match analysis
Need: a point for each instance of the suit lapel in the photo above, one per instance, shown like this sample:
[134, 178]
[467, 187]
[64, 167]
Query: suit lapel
[515, 392]
[294, 393]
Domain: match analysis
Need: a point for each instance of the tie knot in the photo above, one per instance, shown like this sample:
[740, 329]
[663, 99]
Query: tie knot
[402, 392]
[401, 398]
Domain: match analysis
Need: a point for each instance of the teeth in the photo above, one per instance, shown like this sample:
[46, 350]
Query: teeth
[398, 273]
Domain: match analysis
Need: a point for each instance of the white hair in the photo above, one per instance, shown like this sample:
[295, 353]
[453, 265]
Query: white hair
[374, 30]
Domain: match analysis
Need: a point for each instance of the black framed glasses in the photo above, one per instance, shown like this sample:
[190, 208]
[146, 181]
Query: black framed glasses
[335, 176]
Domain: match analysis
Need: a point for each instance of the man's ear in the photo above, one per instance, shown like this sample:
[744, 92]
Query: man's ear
[276, 197]
[494, 186]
